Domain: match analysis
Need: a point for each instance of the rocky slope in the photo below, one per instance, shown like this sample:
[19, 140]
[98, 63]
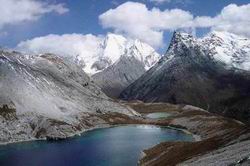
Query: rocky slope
[47, 97]
[211, 73]
[135, 60]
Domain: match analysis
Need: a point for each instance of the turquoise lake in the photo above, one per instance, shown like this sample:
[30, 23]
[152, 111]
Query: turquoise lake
[115, 146]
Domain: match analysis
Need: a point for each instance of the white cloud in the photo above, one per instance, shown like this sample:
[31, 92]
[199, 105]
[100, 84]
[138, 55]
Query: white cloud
[232, 18]
[235, 19]
[17, 11]
[137, 21]
[67, 44]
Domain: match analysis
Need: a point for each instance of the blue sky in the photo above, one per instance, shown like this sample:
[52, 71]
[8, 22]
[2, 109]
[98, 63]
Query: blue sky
[82, 17]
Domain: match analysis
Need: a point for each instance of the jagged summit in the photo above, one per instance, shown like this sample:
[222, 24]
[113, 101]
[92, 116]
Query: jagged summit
[181, 36]
[116, 46]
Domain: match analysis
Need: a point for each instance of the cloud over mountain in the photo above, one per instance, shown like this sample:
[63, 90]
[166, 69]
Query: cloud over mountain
[137, 20]
[67, 44]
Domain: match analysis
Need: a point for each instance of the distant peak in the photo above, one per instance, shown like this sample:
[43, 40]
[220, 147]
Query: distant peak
[112, 38]
[179, 36]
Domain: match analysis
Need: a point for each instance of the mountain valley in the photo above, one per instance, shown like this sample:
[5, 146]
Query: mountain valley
[50, 97]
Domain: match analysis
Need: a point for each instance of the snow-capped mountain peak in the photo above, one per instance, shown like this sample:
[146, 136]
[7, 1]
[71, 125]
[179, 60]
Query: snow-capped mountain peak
[143, 53]
[181, 38]
[179, 43]
[224, 47]
[112, 48]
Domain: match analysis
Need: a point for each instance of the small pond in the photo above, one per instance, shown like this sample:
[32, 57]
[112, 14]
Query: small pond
[158, 115]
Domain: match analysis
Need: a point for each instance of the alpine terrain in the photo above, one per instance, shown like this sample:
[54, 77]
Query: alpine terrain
[211, 73]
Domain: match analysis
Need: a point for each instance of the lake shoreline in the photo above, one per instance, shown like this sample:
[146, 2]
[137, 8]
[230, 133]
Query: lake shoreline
[210, 131]
[79, 134]
[214, 132]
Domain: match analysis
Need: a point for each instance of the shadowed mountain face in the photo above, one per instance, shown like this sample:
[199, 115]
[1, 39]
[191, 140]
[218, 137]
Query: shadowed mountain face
[117, 77]
[192, 73]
